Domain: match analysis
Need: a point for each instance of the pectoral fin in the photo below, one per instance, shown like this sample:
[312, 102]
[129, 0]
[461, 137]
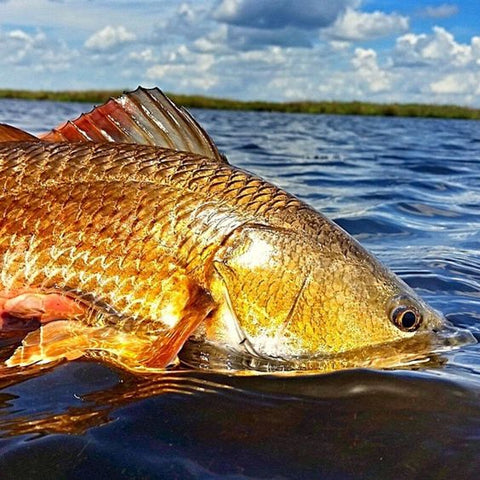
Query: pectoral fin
[166, 347]
[72, 339]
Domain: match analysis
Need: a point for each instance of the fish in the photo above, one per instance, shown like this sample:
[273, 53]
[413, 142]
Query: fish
[125, 235]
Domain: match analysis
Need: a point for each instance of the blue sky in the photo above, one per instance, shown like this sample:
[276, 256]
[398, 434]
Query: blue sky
[376, 50]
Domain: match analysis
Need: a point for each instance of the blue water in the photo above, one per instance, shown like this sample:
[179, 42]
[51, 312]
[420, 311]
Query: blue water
[409, 190]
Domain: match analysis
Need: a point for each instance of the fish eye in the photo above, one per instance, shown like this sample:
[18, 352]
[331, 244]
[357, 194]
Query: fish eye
[406, 318]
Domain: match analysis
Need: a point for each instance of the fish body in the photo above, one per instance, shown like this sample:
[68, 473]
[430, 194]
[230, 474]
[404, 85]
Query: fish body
[124, 249]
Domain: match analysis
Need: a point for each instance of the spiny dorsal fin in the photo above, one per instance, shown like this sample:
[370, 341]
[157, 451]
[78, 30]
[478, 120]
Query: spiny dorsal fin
[13, 134]
[145, 117]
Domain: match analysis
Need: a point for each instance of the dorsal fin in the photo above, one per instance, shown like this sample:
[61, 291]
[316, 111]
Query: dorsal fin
[13, 134]
[145, 117]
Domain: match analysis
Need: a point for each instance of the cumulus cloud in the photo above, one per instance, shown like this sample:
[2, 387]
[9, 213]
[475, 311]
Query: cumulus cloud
[109, 38]
[213, 41]
[255, 24]
[259, 24]
[185, 69]
[281, 13]
[368, 70]
[274, 73]
[457, 84]
[188, 22]
[144, 56]
[35, 51]
[435, 67]
[441, 11]
[356, 25]
[437, 48]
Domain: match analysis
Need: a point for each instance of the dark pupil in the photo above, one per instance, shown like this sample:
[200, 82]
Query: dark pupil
[408, 319]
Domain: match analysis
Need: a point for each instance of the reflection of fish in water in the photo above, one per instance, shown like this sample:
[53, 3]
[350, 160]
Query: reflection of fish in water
[125, 232]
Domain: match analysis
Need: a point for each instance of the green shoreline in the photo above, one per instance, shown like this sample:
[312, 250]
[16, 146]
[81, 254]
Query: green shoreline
[325, 107]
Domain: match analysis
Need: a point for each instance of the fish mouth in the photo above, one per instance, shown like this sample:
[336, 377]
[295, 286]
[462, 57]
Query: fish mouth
[425, 350]
[450, 337]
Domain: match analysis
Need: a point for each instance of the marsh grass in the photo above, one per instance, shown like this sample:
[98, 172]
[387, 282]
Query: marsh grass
[324, 107]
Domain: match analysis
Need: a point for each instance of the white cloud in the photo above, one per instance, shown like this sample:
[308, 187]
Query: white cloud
[214, 41]
[355, 25]
[186, 23]
[458, 84]
[24, 37]
[367, 70]
[181, 78]
[109, 38]
[436, 68]
[475, 49]
[144, 56]
[262, 60]
[336, 85]
[439, 47]
[184, 69]
[34, 51]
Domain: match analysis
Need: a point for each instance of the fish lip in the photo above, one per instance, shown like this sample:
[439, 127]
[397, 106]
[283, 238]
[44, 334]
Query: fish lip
[449, 337]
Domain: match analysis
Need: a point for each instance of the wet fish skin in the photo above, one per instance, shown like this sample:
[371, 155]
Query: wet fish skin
[105, 223]
[143, 229]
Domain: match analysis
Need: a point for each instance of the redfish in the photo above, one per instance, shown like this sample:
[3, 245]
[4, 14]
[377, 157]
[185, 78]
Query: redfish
[125, 233]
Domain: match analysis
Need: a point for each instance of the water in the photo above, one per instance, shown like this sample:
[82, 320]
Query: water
[409, 190]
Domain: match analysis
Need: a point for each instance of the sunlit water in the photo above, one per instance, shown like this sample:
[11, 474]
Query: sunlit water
[409, 190]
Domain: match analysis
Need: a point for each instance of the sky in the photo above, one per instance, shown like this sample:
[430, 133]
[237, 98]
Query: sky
[281, 50]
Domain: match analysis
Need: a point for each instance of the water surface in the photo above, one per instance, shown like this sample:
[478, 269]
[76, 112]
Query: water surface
[409, 190]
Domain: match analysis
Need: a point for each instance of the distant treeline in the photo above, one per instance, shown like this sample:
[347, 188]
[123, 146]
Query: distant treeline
[326, 107]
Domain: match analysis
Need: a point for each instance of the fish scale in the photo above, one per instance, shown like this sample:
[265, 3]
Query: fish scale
[89, 204]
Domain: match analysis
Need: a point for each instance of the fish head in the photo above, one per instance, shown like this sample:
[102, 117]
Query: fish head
[285, 295]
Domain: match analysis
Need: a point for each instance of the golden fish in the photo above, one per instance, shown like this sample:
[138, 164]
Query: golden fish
[125, 233]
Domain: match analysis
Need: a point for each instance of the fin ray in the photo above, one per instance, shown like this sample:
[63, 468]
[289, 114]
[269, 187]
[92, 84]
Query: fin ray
[166, 347]
[145, 116]
[52, 341]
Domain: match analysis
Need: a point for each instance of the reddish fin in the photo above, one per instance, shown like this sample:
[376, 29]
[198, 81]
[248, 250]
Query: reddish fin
[13, 134]
[53, 341]
[71, 339]
[145, 117]
[165, 349]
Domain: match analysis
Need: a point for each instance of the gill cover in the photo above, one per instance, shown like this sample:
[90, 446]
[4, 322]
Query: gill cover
[289, 299]
[266, 282]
